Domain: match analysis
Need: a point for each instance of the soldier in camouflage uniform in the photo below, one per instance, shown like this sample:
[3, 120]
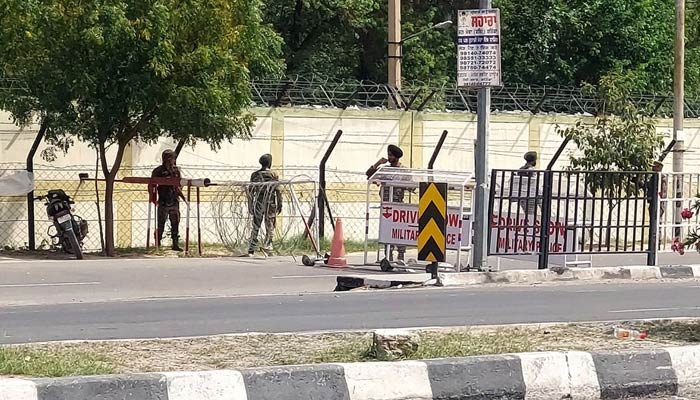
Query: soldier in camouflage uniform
[168, 204]
[394, 154]
[264, 203]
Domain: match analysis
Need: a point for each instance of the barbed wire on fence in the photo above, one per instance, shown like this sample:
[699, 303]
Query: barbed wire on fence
[268, 216]
[316, 91]
[301, 91]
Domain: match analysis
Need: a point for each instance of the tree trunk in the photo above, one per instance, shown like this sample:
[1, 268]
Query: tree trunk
[608, 230]
[109, 216]
[612, 205]
[110, 176]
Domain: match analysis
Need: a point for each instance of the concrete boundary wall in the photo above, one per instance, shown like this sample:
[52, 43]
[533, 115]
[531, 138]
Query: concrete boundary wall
[299, 136]
[297, 139]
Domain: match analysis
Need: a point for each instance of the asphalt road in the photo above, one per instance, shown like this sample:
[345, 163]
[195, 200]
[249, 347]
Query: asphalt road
[33, 282]
[356, 310]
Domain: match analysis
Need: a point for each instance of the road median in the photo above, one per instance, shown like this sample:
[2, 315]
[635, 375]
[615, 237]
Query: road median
[550, 375]
[543, 361]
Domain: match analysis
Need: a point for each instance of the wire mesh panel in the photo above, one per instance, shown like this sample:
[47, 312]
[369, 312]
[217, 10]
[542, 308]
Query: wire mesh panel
[346, 193]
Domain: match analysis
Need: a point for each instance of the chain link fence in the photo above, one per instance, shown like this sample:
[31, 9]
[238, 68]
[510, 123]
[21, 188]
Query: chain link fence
[225, 217]
[13, 216]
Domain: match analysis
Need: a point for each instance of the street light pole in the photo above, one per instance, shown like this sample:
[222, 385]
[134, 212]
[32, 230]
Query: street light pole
[679, 111]
[394, 45]
[395, 48]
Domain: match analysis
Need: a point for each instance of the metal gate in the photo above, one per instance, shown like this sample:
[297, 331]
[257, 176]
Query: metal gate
[677, 192]
[573, 212]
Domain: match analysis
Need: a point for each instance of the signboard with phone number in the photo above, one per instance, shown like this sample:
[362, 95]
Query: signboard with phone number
[479, 48]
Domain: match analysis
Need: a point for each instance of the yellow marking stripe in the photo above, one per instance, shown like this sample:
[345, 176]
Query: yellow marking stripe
[431, 257]
[431, 230]
[432, 195]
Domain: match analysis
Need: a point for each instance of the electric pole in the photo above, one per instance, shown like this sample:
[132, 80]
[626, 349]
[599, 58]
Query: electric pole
[394, 48]
[481, 204]
[679, 111]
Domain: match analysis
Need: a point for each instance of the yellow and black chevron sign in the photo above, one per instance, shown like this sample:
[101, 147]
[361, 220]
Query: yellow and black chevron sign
[432, 222]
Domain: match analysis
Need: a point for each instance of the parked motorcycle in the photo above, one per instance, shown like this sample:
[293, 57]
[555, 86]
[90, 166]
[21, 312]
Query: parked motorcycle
[70, 230]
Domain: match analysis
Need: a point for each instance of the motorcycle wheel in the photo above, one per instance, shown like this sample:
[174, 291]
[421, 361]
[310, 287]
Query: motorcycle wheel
[72, 246]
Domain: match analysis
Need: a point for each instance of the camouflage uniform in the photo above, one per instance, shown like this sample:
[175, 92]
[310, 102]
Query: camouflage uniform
[168, 204]
[264, 203]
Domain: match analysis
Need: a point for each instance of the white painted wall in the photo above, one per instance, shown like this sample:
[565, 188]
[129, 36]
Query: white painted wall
[298, 138]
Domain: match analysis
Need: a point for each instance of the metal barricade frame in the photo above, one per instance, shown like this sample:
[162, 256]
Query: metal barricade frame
[391, 178]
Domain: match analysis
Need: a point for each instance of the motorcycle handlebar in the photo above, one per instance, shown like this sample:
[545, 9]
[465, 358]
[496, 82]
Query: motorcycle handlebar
[39, 198]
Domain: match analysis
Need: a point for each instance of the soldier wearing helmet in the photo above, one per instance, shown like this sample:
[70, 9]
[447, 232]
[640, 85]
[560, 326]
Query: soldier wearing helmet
[168, 203]
[264, 204]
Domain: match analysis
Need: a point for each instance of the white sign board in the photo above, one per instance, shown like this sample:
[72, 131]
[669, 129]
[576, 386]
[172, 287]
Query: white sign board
[398, 224]
[509, 235]
[479, 48]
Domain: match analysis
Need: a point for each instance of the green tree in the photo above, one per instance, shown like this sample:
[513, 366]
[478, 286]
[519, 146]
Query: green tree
[572, 42]
[623, 139]
[321, 36]
[113, 72]
[347, 39]
[692, 55]
[545, 42]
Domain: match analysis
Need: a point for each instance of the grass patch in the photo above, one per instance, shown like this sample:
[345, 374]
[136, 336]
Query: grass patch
[438, 345]
[352, 351]
[674, 330]
[51, 362]
[250, 351]
[465, 344]
[301, 245]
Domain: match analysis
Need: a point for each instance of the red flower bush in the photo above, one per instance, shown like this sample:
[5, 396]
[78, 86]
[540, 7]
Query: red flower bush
[686, 213]
[678, 246]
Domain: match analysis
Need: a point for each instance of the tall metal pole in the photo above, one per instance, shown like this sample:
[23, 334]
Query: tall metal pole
[394, 48]
[679, 109]
[481, 212]
[30, 196]
[322, 199]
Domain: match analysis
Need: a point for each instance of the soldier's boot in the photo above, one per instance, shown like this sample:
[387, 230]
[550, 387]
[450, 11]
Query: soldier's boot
[176, 245]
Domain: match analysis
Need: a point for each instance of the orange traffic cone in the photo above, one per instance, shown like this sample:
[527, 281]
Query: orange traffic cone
[337, 258]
